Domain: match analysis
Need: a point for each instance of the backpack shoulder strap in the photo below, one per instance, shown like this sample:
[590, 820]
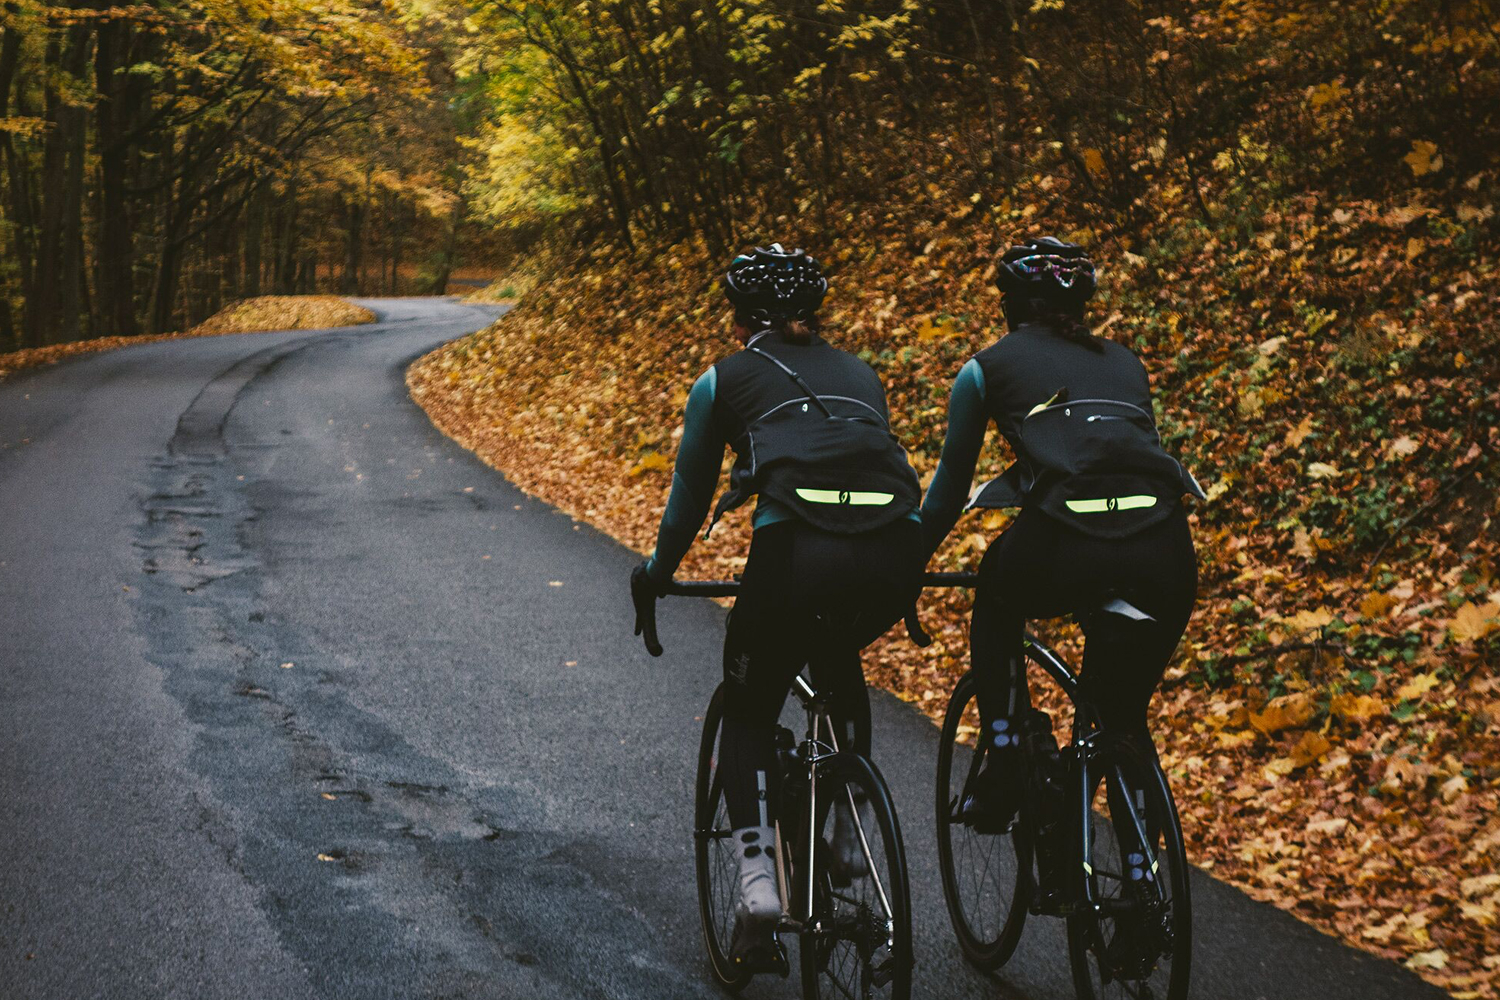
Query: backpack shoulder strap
[801, 384]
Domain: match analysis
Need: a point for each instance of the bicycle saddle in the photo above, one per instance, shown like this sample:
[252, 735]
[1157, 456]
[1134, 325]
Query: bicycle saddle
[1122, 607]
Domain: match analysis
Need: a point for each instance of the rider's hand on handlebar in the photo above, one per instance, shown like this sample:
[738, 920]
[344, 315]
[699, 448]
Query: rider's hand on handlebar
[643, 593]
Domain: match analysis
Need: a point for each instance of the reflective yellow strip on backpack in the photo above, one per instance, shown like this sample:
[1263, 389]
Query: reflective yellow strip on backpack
[1104, 504]
[857, 498]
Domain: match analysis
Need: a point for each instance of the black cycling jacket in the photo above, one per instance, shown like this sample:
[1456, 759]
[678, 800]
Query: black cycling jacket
[1079, 421]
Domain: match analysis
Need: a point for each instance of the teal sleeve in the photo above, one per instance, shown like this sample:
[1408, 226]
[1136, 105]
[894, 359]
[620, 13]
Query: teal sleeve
[699, 456]
[949, 489]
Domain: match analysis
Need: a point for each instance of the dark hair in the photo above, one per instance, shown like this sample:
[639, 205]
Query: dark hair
[1059, 320]
[799, 329]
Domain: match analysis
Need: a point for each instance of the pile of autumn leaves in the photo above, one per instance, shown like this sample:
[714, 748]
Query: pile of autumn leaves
[254, 315]
[1330, 725]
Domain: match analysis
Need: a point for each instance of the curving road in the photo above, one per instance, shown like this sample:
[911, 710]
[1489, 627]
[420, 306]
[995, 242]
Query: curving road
[298, 699]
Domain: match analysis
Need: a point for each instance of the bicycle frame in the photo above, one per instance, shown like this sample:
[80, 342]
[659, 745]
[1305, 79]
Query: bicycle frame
[819, 745]
[1083, 747]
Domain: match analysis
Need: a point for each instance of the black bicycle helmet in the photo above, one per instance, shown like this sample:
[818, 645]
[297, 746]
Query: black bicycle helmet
[1058, 273]
[773, 283]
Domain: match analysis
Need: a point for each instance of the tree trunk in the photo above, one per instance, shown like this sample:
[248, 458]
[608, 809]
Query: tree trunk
[72, 122]
[354, 217]
[450, 250]
[286, 251]
[114, 281]
[45, 303]
[255, 214]
[398, 220]
[22, 245]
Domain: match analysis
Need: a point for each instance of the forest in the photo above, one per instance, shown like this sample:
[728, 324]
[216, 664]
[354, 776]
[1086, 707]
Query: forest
[163, 160]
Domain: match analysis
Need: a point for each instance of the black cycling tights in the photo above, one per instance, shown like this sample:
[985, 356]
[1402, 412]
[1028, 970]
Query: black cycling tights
[1041, 568]
[806, 597]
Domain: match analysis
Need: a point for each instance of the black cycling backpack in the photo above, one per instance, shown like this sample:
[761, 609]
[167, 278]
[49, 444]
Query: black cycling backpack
[831, 459]
[1096, 464]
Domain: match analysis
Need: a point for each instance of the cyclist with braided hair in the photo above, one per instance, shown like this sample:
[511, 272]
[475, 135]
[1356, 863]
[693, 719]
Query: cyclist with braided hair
[834, 559]
[1100, 517]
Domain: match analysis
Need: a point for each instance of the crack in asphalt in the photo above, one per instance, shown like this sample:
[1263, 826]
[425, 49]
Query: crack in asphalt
[348, 833]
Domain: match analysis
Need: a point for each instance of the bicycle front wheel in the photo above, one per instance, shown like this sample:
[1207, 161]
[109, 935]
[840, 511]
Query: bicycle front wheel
[713, 851]
[1137, 940]
[986, 875]
[859, 944]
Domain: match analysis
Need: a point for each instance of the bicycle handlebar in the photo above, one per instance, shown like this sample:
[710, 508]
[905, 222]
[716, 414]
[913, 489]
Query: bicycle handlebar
[645, 595]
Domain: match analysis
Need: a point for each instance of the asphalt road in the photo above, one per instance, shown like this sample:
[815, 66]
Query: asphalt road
[299, 699]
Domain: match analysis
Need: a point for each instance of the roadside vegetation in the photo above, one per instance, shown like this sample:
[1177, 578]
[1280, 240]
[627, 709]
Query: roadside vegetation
[1294, 209]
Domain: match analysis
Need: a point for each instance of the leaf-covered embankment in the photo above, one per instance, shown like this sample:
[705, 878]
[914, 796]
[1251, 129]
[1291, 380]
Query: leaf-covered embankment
[1332, 721]
[265, 313]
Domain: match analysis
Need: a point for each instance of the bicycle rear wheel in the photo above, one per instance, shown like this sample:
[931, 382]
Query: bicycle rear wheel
[861, 946]
[987, 880]
[1139, 942]
[713, 851]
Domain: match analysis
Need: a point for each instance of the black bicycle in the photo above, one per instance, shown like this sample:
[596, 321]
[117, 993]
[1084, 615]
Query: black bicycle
[1096, 841]
[853, 926]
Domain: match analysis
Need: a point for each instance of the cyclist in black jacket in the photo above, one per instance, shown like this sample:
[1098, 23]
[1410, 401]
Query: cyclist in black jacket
[834, 559]
[1101, 514]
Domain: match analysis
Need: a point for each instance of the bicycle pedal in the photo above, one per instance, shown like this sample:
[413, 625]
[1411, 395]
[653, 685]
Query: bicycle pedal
[1051, 904]
[766, 960]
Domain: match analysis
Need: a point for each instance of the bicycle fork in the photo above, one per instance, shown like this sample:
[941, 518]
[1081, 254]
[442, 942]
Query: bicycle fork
[820, 721]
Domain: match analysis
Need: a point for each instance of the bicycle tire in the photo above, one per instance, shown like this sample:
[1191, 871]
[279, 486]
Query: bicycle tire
[836, 956]
[987, 942]
[713, 855]
[1090, 934]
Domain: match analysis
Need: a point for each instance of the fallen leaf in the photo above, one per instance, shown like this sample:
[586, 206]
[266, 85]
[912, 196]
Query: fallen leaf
[652, 461]
[1437, 958]
[1423, 158]
[1298, 434]
[1472, 622]
[1416, 687]
[1322, 470]
[1306, 621]
[1309, 748]
[1327, 827]
[1302, 545]
[1402, 446]
[1355, 707]
[1478, 885]
[1326, 93]
[1376, 605]
[1287, 712]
